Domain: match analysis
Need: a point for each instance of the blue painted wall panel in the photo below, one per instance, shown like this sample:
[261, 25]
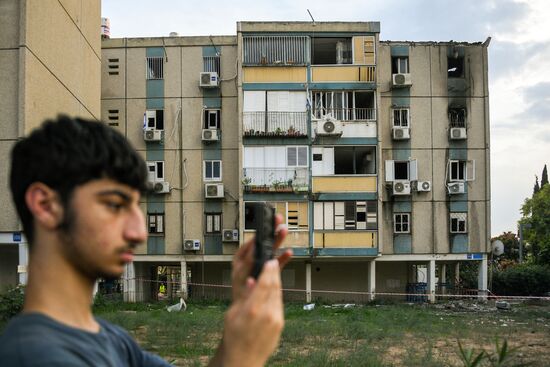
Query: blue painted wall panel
[402, 244]
[399, 50]
[459, 243]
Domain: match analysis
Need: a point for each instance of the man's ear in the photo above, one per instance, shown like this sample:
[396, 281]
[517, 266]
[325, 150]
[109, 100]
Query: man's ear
[45, 205]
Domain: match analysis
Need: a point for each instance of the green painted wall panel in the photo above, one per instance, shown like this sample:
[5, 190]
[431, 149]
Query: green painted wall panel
[213, 245]
[459, 243]
[399, 50]
[154, 52]
[154, 88]
[402, 207]
[458, 206]
[402, 244]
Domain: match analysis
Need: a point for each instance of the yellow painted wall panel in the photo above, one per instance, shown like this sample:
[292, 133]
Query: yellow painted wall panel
[293, 239]
[358, 52]
[344, 184]
[274, 74]
[335, 73]
[303, 215]
[347, 239]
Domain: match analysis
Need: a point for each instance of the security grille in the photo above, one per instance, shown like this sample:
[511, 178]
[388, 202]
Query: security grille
[155, 68]
[285, 50]
[211, 64]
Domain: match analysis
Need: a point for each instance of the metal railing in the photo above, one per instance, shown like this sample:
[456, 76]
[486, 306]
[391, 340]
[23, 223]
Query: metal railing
[154, 68]
[346, 114]
[275, 123]
[211, 63]
[275, 179]
[457, 123]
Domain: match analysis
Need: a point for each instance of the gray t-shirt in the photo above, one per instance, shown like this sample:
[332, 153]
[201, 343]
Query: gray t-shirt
[36, 340]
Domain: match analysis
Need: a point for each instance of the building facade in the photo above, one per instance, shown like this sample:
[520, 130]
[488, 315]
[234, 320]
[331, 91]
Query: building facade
[375, 152]
[50, 52]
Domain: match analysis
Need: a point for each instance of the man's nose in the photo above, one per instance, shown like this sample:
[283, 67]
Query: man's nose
[135, 230]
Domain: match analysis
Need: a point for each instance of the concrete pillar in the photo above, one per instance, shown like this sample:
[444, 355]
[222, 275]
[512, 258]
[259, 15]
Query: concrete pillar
[443, 278]
[129, 283]
[96, 288]
[23, 263]
[183, 280]
[371, 283]
[482, 278]
[431, 281]
[457, 274]
[308, 282]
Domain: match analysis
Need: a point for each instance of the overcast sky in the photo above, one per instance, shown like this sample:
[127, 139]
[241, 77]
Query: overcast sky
[519, 61]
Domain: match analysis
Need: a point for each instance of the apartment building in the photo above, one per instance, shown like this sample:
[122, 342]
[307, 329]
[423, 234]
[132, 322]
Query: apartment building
[375, 152]
[50, 52]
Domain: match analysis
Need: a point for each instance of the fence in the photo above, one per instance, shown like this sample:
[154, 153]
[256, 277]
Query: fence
[346, 114]
[275, 123]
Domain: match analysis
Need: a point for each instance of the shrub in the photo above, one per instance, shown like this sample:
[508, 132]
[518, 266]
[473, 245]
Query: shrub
[522, 280]
[11, 302]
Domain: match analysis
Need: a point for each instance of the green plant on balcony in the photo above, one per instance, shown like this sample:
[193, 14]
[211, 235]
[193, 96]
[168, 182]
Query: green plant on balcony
[278, 131]
[246, 181]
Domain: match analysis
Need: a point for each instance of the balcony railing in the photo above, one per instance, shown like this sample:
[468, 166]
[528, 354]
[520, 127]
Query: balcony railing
[287, 179]
[346, 114]
[285, 124]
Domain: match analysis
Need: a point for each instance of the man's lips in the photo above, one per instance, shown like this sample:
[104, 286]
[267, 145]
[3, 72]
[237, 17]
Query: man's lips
[127, 256]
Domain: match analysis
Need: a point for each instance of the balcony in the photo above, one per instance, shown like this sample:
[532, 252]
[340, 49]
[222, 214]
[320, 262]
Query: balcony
[289, 179]
[275, 124]
[346, 114]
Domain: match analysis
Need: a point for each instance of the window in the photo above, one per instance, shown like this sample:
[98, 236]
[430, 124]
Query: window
[155, 223]
[295, 215]
[154, 68]
[401, 117]
[279, 50]
[400, 65]
[345, 215]
[296, 156]
[213, 223]
[211, 64]
[458, 222]
[461, 170]
[155, 170]
[153, 120]
[457, 116]
[113, 66]
[402, 223]
[327, 50]
[113, 117]
[212, 170]
[211, 119]
[358, 160]
[344, 105]
[455, 67]
[401, 170]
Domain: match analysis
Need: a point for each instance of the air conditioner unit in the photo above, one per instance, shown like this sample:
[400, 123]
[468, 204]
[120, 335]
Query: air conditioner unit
[213, 191]
[401, 133]
[230, 235]
[209, 79]
[456, 188]
[328, 126]
[457, 133]
[152, 135]
[191, 245]
[401, 187]
[160, 187]
[210, 135]
[401, 80]
[423, 186]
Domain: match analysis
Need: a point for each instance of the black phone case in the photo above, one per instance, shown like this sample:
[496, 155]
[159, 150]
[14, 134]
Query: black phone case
[265, 236]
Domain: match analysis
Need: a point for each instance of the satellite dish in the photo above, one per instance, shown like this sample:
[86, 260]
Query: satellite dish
[498, 248]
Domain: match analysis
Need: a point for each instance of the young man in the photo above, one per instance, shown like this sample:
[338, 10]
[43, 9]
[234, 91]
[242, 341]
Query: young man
[76, 185]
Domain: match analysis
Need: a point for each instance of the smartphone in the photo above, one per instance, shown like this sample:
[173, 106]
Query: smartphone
[264, 222]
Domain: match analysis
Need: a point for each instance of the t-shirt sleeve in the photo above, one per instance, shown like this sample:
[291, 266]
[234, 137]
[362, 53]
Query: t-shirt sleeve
[150, 359]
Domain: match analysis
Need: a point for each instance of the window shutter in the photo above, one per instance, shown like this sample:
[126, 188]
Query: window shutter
[389, 169]
[291, 156]
[254, 101]
[470, 170]
[413, 170]
[302, 156]
[318, 216]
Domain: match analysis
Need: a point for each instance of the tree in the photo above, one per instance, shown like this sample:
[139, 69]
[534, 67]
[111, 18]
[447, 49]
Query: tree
[544, 178]
[536, 212]
[536, 188]
[511, 247]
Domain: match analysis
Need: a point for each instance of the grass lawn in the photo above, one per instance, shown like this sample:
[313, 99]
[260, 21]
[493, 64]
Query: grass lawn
[373, 335]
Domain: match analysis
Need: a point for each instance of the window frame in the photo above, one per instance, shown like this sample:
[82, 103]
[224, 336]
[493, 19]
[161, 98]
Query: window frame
[215, 222]
[396, 64]
[466, 168]
[206, 120]
[158, 115]
[401, 110]
[155, 165]
[206, 162]
[341, 221]
[398, 220]
[153, 222]
[455, 219]
[297, 149]
[154, 65]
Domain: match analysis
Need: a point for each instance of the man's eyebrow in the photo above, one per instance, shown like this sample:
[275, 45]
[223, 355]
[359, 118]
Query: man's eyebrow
[124, 196]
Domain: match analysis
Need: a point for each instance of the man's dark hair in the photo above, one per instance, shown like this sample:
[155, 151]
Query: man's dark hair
[66, 153]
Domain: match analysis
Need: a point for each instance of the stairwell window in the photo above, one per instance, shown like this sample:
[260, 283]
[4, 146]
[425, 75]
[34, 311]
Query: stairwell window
[400, 65]
[401, 117]
[461, 170]
[212, 119]
[155, 223]
[455, 67]
[154, 68]
[212, 170]
[213, 223]
[402, 223]
[155, 170]
[458, 222]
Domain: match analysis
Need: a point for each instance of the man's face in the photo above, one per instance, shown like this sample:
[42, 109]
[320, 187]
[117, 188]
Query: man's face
[104, 226]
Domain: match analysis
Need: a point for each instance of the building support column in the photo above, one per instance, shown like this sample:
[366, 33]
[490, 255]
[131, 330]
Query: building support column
[482, 279]
[96, 288]
[431, 281]
[443, 278]
[308, 282]
[23, 263]
[129, 283]
[183, 280]
[457, 274]
[371, 282]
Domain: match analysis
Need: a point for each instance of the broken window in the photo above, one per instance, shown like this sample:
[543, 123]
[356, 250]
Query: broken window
[344, 105]
[154, 68]
[211, 119]
[400, 65]
[401, 223]
[355, 160]
[457, 116]
[345, 215]
[155, 171]
[328, 51]
[458, 222]
[155, 223]
[461, 170]
[153, 120]
[455, 67]
[401, 117]
[213, 223]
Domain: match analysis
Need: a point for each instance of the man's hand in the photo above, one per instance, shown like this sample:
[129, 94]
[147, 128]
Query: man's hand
[244, 259]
